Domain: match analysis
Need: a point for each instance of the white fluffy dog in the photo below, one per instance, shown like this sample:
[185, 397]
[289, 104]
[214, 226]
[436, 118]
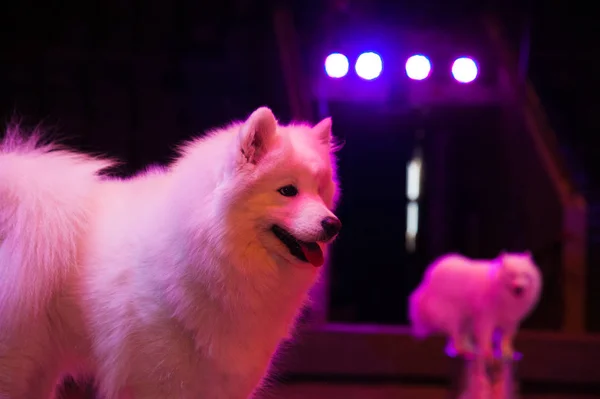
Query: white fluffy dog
[178, 283]
[472, 299]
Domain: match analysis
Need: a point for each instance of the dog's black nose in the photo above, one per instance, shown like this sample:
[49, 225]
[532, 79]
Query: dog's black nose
[331, 226]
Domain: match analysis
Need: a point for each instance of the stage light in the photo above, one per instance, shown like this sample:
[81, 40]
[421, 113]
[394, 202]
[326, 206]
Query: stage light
[418, 67]
[464, 70]
[336, 65]
[413, 179]
[368, 66]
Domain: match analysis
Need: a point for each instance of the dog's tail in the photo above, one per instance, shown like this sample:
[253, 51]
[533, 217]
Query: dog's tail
[44, 203]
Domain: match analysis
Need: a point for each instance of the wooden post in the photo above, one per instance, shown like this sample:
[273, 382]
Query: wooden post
[574, 265]
[477, 379]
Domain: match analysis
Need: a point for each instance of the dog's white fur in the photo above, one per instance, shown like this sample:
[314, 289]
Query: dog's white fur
[470, 299]
[166, 285]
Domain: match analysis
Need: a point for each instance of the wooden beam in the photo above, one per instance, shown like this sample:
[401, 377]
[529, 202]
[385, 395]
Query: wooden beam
[574, 262]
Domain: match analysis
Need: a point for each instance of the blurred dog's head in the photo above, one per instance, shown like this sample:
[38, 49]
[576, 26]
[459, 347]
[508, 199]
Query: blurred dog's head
[520, 276]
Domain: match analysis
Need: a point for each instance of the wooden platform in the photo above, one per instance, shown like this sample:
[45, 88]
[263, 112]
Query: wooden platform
[391, 352]
[378, 362]
[350, 391]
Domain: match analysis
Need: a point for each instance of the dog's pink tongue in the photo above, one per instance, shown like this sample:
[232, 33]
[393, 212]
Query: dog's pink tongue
[313, 253]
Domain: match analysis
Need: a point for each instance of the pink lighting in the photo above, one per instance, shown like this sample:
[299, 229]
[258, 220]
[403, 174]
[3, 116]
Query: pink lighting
[336, 65]
[464, 70]
[418, 67]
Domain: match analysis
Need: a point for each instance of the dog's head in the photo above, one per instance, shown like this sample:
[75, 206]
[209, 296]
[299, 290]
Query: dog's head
[286, 189]
[520, 276]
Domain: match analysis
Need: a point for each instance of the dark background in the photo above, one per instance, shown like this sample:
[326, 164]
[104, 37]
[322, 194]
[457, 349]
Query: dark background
[131, 79]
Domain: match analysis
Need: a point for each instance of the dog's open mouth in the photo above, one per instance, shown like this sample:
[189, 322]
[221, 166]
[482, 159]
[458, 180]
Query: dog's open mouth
[305, 251]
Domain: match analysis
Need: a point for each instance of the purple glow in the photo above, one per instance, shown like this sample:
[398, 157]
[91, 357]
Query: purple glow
[418, 67]
[464, 70]
[368, 66]
[336, 65]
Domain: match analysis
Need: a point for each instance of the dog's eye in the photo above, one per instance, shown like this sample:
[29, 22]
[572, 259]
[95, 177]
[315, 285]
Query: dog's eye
[288, 191]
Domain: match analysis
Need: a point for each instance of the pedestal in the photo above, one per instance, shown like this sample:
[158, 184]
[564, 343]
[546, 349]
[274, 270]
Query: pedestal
[478, 379]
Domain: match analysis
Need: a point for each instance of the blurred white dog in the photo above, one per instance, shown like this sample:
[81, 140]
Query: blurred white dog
[469, 300]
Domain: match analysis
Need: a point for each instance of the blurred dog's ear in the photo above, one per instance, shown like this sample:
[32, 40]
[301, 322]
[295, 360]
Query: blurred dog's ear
[256, 135]
[323, 131]
[500, 258]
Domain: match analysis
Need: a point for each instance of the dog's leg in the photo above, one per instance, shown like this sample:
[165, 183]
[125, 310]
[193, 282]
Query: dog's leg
[506, 342]
[484, 335]
[460, 340]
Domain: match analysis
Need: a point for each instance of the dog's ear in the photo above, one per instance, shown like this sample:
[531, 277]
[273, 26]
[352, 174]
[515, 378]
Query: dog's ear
[256, 135]
[323, 131]
[500, 258]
